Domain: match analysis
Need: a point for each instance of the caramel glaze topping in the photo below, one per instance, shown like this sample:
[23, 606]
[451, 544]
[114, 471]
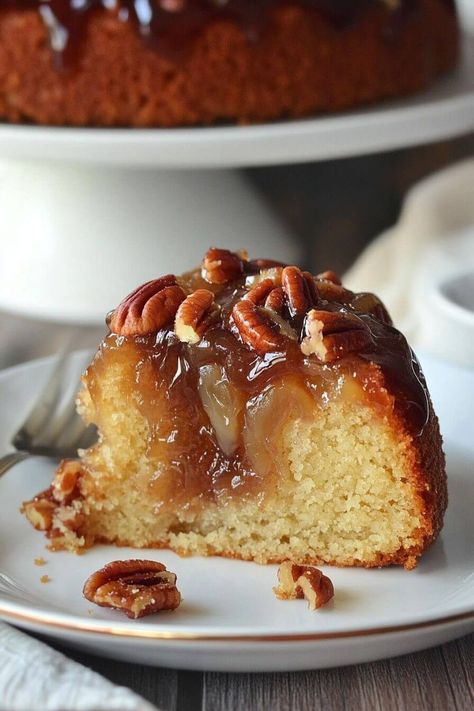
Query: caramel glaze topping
[171, 26]
[216, 404]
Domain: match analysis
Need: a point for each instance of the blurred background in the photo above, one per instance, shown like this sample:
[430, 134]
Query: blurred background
[333, 209]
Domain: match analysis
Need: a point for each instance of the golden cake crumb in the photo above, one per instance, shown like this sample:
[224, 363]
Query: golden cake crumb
[45, 579]
[39, 561]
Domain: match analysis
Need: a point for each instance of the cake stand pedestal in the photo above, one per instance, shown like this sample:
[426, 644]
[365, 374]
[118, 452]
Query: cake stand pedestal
[76, 238]
[86, 214]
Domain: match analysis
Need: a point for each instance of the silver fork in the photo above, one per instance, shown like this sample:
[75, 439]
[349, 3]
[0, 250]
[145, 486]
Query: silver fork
[53, 428]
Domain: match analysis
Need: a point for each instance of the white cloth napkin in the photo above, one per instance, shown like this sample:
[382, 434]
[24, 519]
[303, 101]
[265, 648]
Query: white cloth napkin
[34, 677]
[436, 209]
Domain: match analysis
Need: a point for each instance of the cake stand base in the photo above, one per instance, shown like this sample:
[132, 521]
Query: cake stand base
[76, 239]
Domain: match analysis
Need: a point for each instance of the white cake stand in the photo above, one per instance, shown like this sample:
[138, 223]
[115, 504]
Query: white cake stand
[86, 214]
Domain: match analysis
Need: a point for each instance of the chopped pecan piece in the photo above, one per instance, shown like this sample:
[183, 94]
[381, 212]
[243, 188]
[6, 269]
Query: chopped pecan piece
[303, 581]
[255, 328]
[316, 587]
[148, 308]
[195, 314]
[282, 324]
[331, 335]
[136, 587]
[220, 266]
[274, 274]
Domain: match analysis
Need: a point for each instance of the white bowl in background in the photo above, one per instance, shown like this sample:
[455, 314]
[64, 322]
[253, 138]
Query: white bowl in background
[445, 299]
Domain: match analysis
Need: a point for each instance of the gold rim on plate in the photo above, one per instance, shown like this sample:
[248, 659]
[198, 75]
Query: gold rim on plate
[11, 616]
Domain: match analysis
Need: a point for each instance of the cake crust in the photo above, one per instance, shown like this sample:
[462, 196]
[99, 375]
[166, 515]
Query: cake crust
[117, 80]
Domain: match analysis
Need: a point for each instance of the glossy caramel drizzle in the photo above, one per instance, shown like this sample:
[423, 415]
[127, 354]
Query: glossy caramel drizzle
[171, 26]
[166, 379]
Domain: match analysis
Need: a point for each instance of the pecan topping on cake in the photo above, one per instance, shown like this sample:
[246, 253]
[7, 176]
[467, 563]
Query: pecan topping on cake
[331, 335]
[135, 587]
[329, 291]
[221, 266]
[329, 275]
[260, 291]
[195, 314]
[303, 581]
[148, 308]
[262, 301]
[275, 300]
[294, 286]
[256, 329]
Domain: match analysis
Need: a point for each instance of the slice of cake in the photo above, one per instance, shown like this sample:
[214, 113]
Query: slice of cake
[254, 411]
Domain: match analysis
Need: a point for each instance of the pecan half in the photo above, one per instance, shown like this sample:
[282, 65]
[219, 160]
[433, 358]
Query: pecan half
[258, 265]
[275, 300]
[311, 288]
[260, 291]
[255, 328]
[303, 581]
[274, 274]
[294, 286]
[195, 314]
[136, 587]
[148, 308]
[330, 291]
[220, 266]
[331, 335]
[368, 303]
[284, 326]
[329, 275]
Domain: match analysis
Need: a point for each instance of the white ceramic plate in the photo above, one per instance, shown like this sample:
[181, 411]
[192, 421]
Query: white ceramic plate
[229, 619]
[443, 111]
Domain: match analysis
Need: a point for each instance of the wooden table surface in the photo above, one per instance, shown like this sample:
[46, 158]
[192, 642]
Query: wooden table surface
[437, 679]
